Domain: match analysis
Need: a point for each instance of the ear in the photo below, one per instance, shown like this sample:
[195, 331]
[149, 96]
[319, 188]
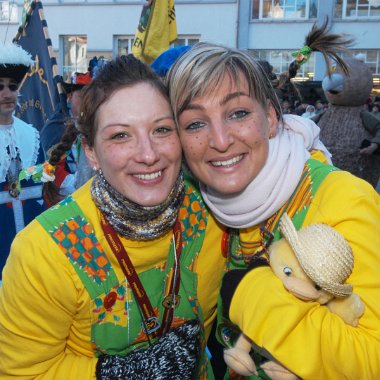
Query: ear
[90, 154]
[272, 120]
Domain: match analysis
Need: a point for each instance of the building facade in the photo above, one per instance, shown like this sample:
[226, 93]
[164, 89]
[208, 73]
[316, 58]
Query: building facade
[270, 29]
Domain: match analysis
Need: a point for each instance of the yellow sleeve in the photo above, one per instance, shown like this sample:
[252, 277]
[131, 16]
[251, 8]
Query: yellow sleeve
[40, 334]
[304, 336]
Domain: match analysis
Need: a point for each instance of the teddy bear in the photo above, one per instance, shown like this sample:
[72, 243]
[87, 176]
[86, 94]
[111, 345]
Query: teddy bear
[344, 125]
[313, 264]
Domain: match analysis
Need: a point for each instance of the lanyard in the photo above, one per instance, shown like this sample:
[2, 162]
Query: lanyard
[150, 324]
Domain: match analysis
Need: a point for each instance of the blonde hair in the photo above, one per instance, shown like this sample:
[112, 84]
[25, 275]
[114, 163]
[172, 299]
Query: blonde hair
[202, 69]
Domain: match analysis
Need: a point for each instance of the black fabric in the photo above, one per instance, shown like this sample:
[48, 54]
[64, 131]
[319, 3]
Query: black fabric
[232, 279]
[174, 356]
[218, 364]
[53, 129]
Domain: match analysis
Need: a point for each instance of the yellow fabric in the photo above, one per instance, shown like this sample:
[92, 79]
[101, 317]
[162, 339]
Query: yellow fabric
[157, 29]
[45, 314]
[304, 336]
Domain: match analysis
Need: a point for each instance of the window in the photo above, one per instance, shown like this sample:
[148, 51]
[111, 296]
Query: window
[8, 12]
[74, 57]
[123, 45]
[281, 59]
[357, 8]
[186, 40]
[371, 58]
[284, 9]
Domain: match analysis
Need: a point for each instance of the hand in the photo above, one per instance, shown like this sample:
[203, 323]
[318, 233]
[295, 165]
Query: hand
[369, 149]
[238, 358]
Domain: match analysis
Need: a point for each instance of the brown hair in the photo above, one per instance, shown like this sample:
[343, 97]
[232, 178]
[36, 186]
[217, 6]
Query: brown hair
[50, 190]
[124, 71]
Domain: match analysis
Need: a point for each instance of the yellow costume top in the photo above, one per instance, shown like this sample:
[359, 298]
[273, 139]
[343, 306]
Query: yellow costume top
[46, 312]
[306, 337]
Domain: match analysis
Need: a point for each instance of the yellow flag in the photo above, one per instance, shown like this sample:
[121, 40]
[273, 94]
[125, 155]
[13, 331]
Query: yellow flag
[157, 29]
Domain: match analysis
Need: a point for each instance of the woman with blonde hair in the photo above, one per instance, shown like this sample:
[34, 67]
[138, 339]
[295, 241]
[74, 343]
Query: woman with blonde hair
[254, 164]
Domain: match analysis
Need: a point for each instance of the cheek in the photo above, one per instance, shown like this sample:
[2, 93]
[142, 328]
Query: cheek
[252, 134]
[193, 146]
[112, 156]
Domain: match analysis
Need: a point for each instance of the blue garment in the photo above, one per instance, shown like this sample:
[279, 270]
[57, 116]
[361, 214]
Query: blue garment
[30, 208]
[54, 128]
[165, 60]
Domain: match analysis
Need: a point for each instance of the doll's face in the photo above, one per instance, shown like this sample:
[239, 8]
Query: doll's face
[286, 267]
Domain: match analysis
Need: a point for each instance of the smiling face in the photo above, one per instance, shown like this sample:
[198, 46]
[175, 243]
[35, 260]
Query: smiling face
[136, 144]
[8, 99]
[225, 134]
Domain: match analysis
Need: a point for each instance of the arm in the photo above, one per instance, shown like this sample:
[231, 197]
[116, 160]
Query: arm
[44, 313]
[322, 346]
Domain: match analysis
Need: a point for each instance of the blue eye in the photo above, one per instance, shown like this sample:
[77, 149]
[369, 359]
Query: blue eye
[164, 130]
[239, 114]
[195, 125]
[287, 271]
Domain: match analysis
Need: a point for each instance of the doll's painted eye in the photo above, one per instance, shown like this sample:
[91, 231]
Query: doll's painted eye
[317, 287]
[287, 271]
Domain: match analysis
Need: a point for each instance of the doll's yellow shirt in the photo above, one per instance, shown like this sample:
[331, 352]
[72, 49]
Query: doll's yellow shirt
[306, 337]
[46, 335]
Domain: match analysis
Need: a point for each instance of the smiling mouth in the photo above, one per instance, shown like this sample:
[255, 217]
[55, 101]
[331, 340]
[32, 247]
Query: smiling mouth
[149, 176]
[227, 163]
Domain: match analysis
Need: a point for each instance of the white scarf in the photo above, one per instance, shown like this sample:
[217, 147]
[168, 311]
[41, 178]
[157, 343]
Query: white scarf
[277, 180]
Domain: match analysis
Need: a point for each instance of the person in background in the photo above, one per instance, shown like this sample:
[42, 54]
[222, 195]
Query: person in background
[67, 156]
[310, 112]
[254, 164]
[55, 127]
[319, 107]
[20, 202]
[77, 309]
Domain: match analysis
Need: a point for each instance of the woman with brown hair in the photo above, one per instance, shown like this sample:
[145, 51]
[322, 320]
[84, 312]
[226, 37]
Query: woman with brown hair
[119, 280]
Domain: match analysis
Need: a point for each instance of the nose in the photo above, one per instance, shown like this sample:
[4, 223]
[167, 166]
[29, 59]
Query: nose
[147, 151]
[220, 136]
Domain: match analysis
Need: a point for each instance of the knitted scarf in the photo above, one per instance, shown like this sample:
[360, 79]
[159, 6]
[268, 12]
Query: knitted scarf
[132, 220]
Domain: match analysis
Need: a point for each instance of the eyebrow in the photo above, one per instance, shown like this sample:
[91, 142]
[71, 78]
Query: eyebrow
[226, 99]
[116, 124]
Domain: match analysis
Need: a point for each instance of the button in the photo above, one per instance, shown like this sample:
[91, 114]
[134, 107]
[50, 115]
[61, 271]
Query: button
[109, 300]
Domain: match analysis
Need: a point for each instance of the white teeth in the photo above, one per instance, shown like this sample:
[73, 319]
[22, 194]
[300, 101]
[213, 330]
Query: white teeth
[149, 176]
[230, 162]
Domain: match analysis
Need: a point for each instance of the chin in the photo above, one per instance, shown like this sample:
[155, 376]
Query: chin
[227, 188]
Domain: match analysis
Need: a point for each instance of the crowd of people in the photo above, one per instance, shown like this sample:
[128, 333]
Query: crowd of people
[156, 256]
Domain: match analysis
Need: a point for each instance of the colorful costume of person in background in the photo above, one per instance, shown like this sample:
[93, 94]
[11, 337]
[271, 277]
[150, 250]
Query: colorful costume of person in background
[78, 304]
[19, 149]
[254, 165]
[67, 156]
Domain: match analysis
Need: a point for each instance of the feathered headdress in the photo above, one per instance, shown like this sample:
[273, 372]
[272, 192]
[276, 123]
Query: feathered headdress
[14, 61]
